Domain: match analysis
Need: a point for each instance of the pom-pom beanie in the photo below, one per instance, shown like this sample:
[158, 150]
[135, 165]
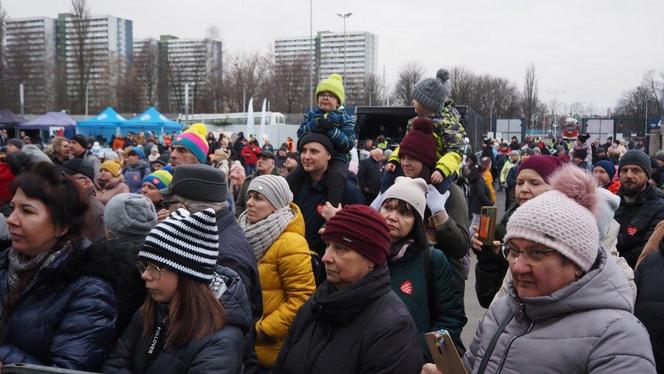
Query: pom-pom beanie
[419, 143]
[545, 165]
[194, 141]
[333, 84]
[431, 93]
[112, 166]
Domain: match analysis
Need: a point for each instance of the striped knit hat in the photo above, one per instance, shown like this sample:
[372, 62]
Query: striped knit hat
[185, 243]
[194, 141]
[160, 179]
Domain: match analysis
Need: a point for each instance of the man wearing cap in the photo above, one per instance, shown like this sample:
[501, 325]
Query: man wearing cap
[79, 149]
[315, 153]
[82, 172]
[198, 187]
[641, 205]
[604, 170]
[291, 163]
[135, 170]
[265, 165]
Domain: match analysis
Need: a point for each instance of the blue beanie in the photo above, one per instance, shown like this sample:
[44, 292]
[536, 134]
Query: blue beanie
[608, 166]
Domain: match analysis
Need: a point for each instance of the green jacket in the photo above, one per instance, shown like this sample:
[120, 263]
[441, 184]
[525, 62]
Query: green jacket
[409, 281]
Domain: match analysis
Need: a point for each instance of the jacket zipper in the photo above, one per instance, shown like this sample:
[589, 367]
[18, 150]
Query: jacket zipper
[509, 344]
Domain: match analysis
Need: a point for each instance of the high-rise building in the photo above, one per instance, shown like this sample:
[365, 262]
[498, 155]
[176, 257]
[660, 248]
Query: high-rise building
[92, 56]
[193, 62]
[30, 60]
[353, 55]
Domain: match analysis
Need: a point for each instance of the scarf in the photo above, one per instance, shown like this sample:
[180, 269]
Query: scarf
[398, 249]
[262, 234]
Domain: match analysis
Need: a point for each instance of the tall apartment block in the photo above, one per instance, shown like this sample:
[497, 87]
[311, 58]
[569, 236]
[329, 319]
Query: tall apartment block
[107, 50]
[353, 55]
[30, 45]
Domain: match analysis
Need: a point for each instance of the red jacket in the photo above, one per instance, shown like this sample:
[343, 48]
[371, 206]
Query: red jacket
[250, 153]
[6, 179]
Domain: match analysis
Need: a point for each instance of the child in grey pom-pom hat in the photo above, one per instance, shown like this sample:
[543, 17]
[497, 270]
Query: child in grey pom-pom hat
[431, 99]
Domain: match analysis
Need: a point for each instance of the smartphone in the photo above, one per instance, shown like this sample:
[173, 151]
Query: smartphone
[487, 224]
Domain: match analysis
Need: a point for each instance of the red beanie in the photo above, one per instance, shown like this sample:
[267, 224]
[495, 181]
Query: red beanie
[361, 229]
[419, 143]
[543, 165]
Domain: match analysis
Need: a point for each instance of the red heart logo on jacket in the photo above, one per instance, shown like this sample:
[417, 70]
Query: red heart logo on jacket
[407, 287]
[631, 230]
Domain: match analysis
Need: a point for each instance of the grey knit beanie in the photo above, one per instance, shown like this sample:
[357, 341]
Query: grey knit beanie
[431, 93]
[636, 157]
[274, 188]
[411, 190]
[130, 213]
[659, 155]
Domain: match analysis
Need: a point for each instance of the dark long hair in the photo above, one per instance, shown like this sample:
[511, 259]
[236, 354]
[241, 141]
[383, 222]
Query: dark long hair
[193, 313]
[418, 233]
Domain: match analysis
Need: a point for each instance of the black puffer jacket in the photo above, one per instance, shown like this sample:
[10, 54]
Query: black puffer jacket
[363, 328]
[219, 352]
[649, 308]
[637, 222]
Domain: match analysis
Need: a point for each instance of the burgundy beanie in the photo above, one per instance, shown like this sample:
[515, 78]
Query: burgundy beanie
[419, 143]
[543, 165]
[361, 229]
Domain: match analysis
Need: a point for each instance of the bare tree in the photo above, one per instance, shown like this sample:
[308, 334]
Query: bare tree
[19, 69]
[288, 85]
[130, 93]
[462, 83]
[373, 93]
[82, 54]
[3, 94]
[245, 79]
[530, 100]
[631, 110]
[146, 72]
[409, 76]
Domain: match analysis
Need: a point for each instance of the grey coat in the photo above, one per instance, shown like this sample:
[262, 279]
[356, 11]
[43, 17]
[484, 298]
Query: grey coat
[585, 327]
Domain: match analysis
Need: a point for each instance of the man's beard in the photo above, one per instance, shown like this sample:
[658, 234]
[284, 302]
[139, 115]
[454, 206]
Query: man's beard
[633, 191]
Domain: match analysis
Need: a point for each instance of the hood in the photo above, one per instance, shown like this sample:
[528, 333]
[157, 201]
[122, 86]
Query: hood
[229, 289]
[603, 287]
[296, 225]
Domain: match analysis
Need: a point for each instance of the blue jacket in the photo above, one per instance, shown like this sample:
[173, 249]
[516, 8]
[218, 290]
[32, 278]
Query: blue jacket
[68, 317]
[310, 196]
[219, 352]
[133, 176]
[342, 134]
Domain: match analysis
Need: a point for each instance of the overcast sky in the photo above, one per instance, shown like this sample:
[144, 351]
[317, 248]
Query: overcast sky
[589, 51]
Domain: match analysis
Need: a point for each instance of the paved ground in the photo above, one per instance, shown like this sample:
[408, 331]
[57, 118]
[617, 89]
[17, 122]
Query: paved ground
[474, 312]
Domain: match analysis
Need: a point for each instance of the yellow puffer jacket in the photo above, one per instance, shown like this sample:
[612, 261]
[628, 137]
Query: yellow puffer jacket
[287, 281]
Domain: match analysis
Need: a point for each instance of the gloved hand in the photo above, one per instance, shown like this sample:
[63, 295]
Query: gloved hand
[435, 200]
[324, 123]
[378, 201]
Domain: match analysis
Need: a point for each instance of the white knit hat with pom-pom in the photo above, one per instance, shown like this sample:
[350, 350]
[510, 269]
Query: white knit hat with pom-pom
[562, 219]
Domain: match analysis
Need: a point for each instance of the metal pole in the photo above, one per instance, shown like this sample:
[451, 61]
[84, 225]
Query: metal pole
[186, 104]
[21, 98]
[344, 16]
[645, 134]
[86, 99]
[311, 54]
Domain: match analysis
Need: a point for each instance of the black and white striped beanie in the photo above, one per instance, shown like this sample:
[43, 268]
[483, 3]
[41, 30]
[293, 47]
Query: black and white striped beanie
[185, 243]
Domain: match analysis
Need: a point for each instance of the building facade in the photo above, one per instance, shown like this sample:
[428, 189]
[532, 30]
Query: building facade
[353, 55]
[30, 45]
[92, 56]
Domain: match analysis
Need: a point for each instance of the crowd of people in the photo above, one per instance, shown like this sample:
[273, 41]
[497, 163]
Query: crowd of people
[196, 253]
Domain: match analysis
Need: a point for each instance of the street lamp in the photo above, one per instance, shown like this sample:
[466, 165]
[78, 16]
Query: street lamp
[344, 16]
[311, 54]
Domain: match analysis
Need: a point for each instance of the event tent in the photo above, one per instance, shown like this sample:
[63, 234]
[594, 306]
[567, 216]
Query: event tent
[56, 123]
[105, 124]
[9, 120]
[150, 120]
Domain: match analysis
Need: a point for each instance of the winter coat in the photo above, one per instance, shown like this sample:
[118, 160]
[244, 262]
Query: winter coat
[478, 194]
[369, 175]
[219, 352]
[341, 134]
[584, 327]
[637, 222]
[250, 154]
[310, 197]
[113, 187]
[362, 328]
[68, 317]
[649, 307]
[93, 228]
[287, 281]
[133, 175]
[507, 166]
[428, 290]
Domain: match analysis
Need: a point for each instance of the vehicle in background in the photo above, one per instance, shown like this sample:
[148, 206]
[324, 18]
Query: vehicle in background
[571, 128]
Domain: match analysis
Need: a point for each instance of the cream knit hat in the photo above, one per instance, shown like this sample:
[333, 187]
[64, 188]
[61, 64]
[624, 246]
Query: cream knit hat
[563, 218]
[412, 191]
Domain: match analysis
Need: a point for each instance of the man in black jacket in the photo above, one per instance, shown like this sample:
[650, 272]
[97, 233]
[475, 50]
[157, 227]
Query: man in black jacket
[641, 205]
[369, 174]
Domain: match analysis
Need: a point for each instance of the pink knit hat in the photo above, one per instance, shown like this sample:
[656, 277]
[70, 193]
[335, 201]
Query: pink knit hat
[563, 218]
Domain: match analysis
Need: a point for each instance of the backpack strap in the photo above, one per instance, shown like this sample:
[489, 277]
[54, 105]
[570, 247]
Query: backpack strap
[492, 344]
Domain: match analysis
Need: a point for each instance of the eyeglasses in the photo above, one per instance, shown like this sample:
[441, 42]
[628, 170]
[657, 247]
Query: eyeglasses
[326, 95]
[152, 269]
[530, 255]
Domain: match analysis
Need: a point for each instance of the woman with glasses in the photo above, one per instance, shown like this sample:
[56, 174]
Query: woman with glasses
[196, 315]
[58, 303]
[532, 180]
[568, 307]
[420, 275]
[274, 227]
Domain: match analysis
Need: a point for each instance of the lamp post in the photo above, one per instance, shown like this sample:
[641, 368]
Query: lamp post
[344, 16]
[311, 54]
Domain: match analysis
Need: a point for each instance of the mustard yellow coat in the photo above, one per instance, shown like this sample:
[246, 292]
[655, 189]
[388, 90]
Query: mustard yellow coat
[287, 281]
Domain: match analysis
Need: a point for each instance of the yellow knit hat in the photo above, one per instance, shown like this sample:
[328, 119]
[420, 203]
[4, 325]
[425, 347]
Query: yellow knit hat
[111, 166]
[333, 84]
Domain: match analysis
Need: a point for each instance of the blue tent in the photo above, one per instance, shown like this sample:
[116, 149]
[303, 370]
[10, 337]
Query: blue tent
[150, 120]
[105, 124]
